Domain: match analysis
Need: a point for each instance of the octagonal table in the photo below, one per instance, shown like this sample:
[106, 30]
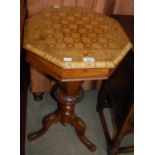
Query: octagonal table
[73, 44]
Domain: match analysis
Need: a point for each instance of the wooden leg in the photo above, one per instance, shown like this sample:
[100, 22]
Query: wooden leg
[105, 128]
[124, 130]
[47, 122]
[114, 147]
[126, 149]
[80, 127]
[38, 96]
[67, 95]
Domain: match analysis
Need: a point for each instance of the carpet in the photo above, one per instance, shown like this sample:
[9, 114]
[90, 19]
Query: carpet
[62, 140]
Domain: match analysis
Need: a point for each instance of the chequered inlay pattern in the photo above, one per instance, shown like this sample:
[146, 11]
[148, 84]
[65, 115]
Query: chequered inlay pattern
[75, 32]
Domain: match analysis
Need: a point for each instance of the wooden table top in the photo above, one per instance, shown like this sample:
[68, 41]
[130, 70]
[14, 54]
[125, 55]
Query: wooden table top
[74, 38]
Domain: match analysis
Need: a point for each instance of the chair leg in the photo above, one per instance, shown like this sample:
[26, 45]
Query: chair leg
[114, 143]
[114, 147]
[105, 127]
[126, 149]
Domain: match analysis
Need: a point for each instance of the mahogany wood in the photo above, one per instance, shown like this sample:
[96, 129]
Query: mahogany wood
[67, 95]
[68, 92]
[67, 74]
[40, 82]
[47, 122]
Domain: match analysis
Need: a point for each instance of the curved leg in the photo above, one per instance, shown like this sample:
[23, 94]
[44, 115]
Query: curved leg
[80, 127]
[47, 122]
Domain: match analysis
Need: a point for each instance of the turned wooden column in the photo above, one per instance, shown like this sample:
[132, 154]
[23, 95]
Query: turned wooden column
[68, 94]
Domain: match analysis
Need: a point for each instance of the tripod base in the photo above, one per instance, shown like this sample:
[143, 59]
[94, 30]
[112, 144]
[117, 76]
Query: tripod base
[66, 113]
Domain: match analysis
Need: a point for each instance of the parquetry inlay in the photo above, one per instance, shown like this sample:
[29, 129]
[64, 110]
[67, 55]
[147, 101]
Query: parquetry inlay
[54, 34]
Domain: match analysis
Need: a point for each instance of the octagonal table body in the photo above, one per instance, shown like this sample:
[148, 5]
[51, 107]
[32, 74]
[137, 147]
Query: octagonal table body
[72, 45]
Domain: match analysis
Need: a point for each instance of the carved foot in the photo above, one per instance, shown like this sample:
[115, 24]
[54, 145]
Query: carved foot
[47, 122]
[80, 130]
[38, 96]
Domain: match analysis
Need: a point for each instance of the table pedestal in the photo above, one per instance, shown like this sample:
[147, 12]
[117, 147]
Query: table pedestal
[67, 95]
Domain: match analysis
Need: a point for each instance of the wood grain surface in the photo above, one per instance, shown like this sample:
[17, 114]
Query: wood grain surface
[34, 6]
[88, 39]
